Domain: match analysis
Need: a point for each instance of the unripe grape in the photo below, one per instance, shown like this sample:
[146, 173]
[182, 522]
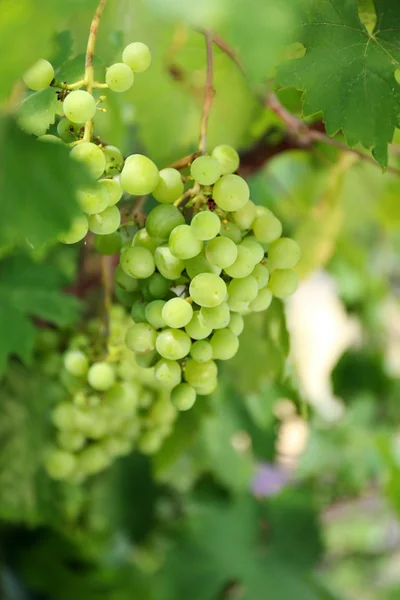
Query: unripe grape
[168, 372]
[201, 351]
[256, 249]
[206, 170]
[227, 157]
[231, 231]
[141, 338]
[137, 262]
[149, 442]
[217, 317]
[101, 376]
[262, 301]
[108, 244]
[125, 281]
[76, 363]
[93, 459]
[244, 289]
[39, 76]
[208, 289]
[266, 227]
[196, 328]
[177, 313]
[71, 440]
[245, 216]
[183, 243]
[224, 344]
[93, 200]
[105, 222]
[243, 265]
[60, 464]
[197, 374]
[205, 225]
[207, 388]
[153, 314]
[168, 265]
[283, 254]
[162, 220]
[140, 175]
[91, 156]
[183, 396]
[79, 106]
[169, 187]
[283, 282]
[142, 238]
[200, 264]
[261, 275]
[222, 252]
[114, 160]
[67, 130]
[79, 229]
[157, 286]
[231, 192]
[137, 56]
[119, 77]
[236, 324]
[49, 138]
[173, 344]
[114, 189]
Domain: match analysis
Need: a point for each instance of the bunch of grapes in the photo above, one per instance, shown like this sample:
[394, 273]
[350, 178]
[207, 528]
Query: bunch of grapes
[195, 269]
[111, 405]
[98, 202]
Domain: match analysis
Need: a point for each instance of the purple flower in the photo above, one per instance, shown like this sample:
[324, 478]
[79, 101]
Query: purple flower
[268, 480]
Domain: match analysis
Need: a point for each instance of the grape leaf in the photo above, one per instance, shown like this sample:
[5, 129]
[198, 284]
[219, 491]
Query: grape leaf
[29, 289]
[38, 186]
[347, 73]
[37, 111]
[64, 44]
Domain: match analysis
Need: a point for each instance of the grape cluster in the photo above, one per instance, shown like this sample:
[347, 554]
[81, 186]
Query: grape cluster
[111, 405]
[195, 269]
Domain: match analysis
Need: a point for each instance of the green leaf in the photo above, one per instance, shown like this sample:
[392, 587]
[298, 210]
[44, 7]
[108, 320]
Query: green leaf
[38, 184]
[347, 73]
[37, 112]
[29, 289]
[63, 48]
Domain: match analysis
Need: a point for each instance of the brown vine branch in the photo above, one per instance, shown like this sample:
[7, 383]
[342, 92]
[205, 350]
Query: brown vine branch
[208, 92]
[89, 69]
[183, 162]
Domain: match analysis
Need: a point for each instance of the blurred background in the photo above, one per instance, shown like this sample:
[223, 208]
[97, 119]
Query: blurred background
[285, 483]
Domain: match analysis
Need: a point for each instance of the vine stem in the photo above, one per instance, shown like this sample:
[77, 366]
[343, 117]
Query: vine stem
[89, 69]
[209, 92]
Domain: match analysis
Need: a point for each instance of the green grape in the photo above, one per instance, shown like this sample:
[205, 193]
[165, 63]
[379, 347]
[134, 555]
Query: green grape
[79, 229]
[217, 317]
[244, 289]
[76, 363]
[149, 442]
[162, 220]
[183, 244]
[207, 388]
[122, 398]
[169, 187]
[114, 447]
[157, 286]
[93, 200]
[138, 262]
[236, 324]
[197, 329]
[79, 106]
[168, 372]
[222, 252]
[207, 290]
[177, 313]
[262, 301]
[153, 313]
[49, 138]
[243, 265]
[114, 189]
[64, 416]
[206, 170]
[205, 225]
[224, 344]
[108, 244]
[91, 156]
[183, 396]
[173, 344]
[231, 231]
[168, 265]
[93, 459]
[105, 222]
[255, 247]
[147, 360]
[114, 160]
[227, 157]
[67, 130]
[199, 264]
[139, 176]
[201, 351]
[39, 76]
[137, 56]
[261, 275]
[141, 338]
[245, 216]
[197, 374]
[101, 376]
[124, 297]
[231, 192]
[283, 282]
[126, 282]
[283, 254]
[119, 77]
[47, 339]
[70, 440]
[238, 306]
[266, 227]
[142, 238]
[60, 464]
